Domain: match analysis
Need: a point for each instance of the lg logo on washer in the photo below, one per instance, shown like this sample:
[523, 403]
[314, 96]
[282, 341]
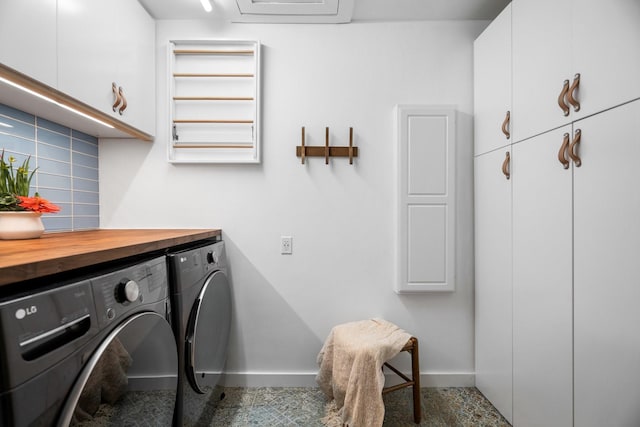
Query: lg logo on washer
[22, 312]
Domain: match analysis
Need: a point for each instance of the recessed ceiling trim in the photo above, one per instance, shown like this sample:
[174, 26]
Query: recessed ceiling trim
[320, 7]
[294, 11]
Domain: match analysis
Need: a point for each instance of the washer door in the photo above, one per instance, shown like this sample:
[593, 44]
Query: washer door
[132, 374]
[208, 333]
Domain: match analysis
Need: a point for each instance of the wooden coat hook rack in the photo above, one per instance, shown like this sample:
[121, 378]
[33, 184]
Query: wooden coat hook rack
[303, 151]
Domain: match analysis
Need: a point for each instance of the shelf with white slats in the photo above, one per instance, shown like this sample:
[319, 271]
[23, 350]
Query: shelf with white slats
[214, 101]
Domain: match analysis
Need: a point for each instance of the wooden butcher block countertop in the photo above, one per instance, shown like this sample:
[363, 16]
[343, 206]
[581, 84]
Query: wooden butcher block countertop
[60, 252]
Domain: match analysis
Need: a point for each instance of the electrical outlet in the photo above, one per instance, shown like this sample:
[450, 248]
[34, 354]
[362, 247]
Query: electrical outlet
[286, 245]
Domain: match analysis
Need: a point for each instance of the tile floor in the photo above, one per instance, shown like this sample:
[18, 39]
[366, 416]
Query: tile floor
[296, 407]
[304, 407]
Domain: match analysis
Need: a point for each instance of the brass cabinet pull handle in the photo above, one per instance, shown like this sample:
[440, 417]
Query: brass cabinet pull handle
[570, 95]
[124, 100]
[563, 148]
[506, 164]
[572, 148]
[505, 125]
[116, 95]
[563, 93]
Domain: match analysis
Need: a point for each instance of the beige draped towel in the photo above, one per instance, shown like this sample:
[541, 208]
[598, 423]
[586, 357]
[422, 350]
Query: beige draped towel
[351, 374]
[106, 384]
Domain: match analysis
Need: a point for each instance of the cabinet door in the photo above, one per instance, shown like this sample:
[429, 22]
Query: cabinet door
[607, 290]
[606, 53]
[493, 296]
[542, 283]
[101, 43]
[28, 32]
[136, 72]
[541, 63]
[86, 52]
[492, 84]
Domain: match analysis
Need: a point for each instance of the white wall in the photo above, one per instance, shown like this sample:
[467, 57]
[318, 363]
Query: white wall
[341, 217]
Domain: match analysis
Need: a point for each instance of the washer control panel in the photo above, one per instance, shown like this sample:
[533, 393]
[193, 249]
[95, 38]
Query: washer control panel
[118, 292]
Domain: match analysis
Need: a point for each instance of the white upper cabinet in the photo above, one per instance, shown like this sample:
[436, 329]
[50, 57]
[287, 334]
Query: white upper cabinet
[107, 43]
[541, 64]
[28, 32]
[606, 53]
[554, 42]
[492, 84]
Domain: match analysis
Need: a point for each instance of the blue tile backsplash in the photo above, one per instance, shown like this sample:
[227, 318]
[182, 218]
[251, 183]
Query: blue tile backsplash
[67, 162]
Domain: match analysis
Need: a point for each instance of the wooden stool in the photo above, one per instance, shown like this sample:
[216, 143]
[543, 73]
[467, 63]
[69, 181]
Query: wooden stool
[414, 381]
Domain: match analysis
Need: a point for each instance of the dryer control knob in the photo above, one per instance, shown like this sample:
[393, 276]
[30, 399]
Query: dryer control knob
[212, 257]
[127, 291]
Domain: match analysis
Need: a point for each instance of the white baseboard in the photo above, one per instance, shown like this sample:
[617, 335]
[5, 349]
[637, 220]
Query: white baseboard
[308, 379]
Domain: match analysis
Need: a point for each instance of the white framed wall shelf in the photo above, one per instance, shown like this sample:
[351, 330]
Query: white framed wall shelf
[214, 95]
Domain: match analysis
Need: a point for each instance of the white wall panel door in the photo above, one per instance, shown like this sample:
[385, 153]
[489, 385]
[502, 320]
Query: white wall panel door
[542, 283]
[493, 280]
[606, 53]
[607, 271]
[541, 64]
[426, 219]
[492, 84]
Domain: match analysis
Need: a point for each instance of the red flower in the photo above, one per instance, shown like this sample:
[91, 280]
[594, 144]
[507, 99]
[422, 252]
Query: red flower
[37, 204]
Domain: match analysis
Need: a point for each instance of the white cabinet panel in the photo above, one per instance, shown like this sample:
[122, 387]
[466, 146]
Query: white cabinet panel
[492, 84]
[493, 283]
[427, 159]
[542, 283]
[28, 34]
[541, 63]
[607, 288]
[427, 232]
[101, 43]
[86, 51]
[136, 65]
[606, 53]
[426, 198]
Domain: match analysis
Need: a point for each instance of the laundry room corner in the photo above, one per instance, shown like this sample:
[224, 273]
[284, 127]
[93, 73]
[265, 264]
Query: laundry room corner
[341, 216]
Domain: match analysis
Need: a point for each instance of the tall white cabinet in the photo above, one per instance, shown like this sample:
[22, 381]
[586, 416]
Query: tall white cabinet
[542, 282]
[493, 247]
[572, 224]
[606, 251]
[493, 297]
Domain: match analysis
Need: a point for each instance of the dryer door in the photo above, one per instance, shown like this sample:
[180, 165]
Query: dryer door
[133, 373]
[208, 333]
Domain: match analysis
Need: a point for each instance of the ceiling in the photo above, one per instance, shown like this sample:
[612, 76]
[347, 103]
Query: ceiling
[363, 10]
